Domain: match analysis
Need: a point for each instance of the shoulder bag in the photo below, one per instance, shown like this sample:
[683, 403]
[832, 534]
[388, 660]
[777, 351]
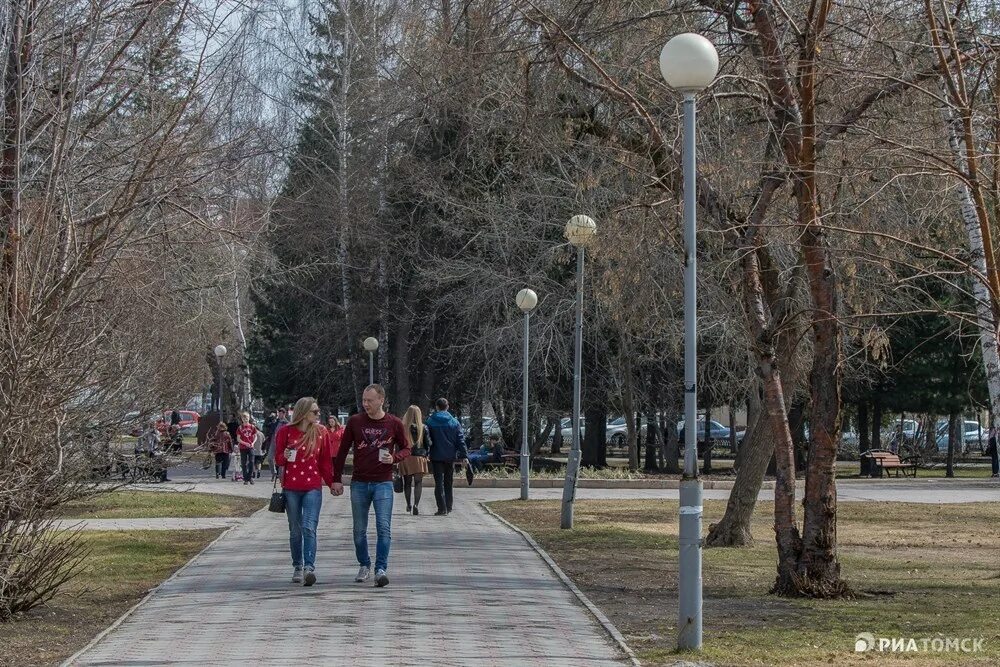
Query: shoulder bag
[277, 503]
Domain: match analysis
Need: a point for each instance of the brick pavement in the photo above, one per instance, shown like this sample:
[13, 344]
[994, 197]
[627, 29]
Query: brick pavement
[464, 590]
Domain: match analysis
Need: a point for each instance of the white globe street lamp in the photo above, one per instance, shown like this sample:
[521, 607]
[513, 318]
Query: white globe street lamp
[579, 230]
[220, 351]
[689, 63]
[526, 300]
[371, 344]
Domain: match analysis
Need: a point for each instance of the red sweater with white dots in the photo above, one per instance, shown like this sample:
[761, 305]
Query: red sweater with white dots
[305, 473]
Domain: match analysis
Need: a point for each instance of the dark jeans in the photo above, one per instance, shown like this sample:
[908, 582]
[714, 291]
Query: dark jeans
[444, 482]
[221, 464]
[246, 464]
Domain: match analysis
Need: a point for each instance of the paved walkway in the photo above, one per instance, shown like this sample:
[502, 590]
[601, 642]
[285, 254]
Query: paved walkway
[465, 590]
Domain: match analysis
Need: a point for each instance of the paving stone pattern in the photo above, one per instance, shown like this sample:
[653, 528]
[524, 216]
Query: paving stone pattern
[465, 590]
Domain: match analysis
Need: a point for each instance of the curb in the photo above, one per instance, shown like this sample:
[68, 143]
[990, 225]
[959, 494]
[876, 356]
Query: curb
[487, 483]
[124, 617]
[605, 622]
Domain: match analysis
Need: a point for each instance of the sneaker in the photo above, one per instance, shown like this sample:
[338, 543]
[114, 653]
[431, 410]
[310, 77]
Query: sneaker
[251, 480]
[297, 576]
[416, 512]
[440, 513]
[364, 574]
[310, 578]
[245, 482]
[381, 579]
[409, 509]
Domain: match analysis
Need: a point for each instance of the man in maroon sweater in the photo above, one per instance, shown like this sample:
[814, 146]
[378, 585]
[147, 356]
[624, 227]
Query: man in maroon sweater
[379, 443]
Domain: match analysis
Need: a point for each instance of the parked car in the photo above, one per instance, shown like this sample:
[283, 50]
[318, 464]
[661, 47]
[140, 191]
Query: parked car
[970, 434]
[716, 431]
[617, 432]
[188, 424]
[566, 428]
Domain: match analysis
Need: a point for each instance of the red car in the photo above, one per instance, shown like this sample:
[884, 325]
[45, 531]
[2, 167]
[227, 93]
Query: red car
[189, 421]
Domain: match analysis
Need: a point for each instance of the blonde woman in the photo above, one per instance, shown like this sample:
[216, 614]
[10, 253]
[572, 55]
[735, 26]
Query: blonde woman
[414, 467]
[305, 454]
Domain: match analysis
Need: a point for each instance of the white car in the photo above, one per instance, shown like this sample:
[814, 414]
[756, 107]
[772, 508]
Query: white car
[566, 428]
[970, 435]
[618, 432]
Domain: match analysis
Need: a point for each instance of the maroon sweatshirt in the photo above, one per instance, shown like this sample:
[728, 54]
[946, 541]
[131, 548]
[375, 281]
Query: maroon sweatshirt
[366, 436]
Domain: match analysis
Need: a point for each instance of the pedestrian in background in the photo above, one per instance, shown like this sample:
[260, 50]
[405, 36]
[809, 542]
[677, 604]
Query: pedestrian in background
[246, 435]
[221, 447]
[447, 447]
[280, 423]
[258, 453]
[414, 467]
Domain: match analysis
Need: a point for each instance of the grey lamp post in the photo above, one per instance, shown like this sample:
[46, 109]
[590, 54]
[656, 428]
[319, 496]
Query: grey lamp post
[371, 344]
[689, 63]
[579, 231]
[526, 300]
[220, 351]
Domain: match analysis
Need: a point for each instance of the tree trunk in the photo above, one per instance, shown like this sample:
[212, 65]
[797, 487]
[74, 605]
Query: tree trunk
[401, 370]
[476, 422]
[557, 439]
[732, 431]
[797, 425]
[864, 441]
[733, 530]
[980, 250]
[877, 424]
[595, 440]
[707, 454]
[670, 448]
[628, 407]
[952, 443]
[652, 428]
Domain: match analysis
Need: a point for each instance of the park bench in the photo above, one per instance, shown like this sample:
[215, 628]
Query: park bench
[508, 461]
[885, 461]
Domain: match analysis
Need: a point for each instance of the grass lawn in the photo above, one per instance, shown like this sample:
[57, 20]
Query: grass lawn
[154, 504]
[121, 568]
[918, 571]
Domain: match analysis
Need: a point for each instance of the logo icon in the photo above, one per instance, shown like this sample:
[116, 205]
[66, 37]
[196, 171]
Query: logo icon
[864, 641]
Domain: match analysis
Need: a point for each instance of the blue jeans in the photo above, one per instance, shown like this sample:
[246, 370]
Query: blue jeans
[302, 508]
[363, 496]
[479, 459]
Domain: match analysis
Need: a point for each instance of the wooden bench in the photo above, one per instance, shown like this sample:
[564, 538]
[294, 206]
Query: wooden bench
[886, 462]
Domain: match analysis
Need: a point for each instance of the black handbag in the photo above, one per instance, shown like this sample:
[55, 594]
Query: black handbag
[277, 503]
[418, 451]
[397, 481]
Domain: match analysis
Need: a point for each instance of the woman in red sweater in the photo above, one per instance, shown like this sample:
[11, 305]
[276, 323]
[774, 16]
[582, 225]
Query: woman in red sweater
[304, 451]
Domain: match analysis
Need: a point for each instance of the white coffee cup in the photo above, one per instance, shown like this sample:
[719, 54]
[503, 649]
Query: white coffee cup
[290, 455]
[383, 452]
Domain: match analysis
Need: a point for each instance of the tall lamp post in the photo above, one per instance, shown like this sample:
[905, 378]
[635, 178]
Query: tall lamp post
[220, 351]
[689, 63]
[526, 300]
[579, 231]
[371, 344]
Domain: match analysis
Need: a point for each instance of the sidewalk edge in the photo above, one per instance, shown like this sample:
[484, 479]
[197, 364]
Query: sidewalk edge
[124, 617]
[605, 622]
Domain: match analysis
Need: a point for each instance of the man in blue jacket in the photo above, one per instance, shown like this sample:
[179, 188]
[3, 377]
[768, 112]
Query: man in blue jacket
[447, 447]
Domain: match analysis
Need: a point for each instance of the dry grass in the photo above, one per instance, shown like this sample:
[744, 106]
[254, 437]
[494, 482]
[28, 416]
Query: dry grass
[161, 504]
[121, 568]
[920, 571]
